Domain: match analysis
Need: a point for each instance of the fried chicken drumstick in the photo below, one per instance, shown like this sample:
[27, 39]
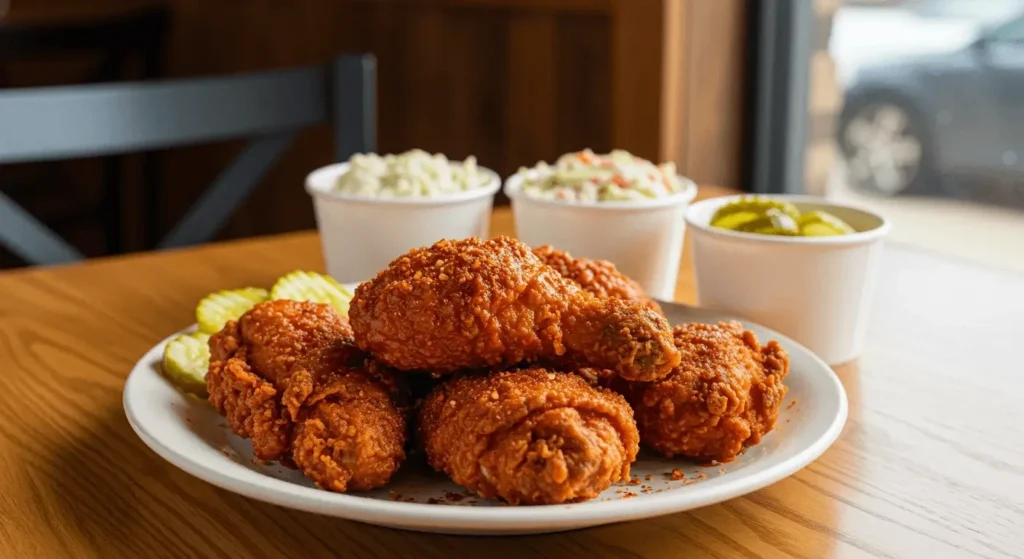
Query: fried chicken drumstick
[348, 434]
[479, 304]
[287, 376]
[530, 436]
[723, 397]
[598, 277]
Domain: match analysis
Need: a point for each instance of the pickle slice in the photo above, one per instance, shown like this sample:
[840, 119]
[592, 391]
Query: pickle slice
[311, 286]
[735, 221]
[216, 309]
[773, 222]
[186, 359]
[823, 224]
[750, 205]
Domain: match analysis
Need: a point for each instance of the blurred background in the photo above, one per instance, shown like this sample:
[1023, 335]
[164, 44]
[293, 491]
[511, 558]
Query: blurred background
[912, 107]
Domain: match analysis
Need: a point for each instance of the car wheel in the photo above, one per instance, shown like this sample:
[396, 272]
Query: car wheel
[885, 148]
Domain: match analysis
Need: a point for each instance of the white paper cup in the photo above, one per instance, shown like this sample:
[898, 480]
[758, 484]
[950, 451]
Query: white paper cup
[361, 235]
[816, 290]
[643, 238]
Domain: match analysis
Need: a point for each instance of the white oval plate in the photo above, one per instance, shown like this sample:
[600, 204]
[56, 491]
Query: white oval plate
[187, 432]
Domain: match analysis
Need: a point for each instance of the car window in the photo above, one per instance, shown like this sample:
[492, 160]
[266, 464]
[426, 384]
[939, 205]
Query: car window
[1012, 32]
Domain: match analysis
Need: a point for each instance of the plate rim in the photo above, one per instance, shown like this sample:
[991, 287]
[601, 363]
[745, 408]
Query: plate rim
[501, 518]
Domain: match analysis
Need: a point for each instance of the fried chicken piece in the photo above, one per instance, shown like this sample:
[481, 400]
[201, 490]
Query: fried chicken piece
[480, 304]
[599, 277]
[250, 405]
[249, 364]
[279, 332]
[288, 376]
[531, 436]
[349, 433]
[723, 397]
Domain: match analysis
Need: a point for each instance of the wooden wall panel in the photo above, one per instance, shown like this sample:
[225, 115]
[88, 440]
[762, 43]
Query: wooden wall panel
[583, 98]
[637, 52]
[531, 118]
[715, 92]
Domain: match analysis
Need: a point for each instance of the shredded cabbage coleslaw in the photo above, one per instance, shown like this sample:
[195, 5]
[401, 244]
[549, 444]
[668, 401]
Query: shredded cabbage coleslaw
[414, 173]
[588, 177]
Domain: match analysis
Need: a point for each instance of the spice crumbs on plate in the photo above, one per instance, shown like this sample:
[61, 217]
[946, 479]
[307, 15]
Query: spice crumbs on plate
[433, 501]
[677, 474]
[702, 475]
[634, 481]
[394, 496]
[648, 477]
[629, 495]
[456, 497]
[791, 404]
[721, 471]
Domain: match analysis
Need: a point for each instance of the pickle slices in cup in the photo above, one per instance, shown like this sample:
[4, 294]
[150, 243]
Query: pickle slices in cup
[187, 356]
[764, 216]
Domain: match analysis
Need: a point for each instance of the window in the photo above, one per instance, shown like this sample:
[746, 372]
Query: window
[907, 112]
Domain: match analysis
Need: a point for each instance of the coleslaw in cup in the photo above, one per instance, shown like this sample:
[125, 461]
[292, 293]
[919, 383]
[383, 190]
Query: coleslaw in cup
[614, 207]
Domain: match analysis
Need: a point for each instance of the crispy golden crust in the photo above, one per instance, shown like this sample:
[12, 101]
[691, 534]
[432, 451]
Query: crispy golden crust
[723, 397]
[349, 434]
[598, 277]
[479, 304]
[529, 437]
[287, 376]
[279, 332]
[246, 399]
[249, 403]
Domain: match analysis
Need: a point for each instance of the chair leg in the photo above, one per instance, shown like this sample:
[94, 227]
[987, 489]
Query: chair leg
[228, 192]
[152, 179]
[152, 198]
[113, 177]
[25, 236]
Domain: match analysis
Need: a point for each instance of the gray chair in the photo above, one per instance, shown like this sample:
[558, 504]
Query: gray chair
[52, 123]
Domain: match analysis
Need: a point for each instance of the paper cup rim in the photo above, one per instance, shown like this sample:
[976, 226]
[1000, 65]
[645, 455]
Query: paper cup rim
[513, 189]
[696, 222]
[320, 181]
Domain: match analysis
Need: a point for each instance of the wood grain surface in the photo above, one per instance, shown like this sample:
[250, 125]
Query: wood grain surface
[930, 464]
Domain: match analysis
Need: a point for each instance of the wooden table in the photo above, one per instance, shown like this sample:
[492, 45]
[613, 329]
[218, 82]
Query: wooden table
[930, 465]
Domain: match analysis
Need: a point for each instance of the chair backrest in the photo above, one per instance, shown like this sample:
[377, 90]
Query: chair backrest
[66, 122]
[50, 123]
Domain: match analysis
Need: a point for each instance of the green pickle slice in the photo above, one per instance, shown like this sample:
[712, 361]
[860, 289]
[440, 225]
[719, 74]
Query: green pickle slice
[186, 360]
[216, 309]
[314, 287]
[773, 222]
[822, 224]
[736, 220]
[752, 205]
